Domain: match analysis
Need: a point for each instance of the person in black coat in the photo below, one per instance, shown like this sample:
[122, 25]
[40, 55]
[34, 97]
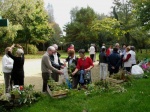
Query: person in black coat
[114, 62]
[55, 61]
[17, 75]
[72, 62]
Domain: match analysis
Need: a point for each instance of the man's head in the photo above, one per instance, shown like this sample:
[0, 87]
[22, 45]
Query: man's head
[56, 47]
[117, 45]
[50, 50]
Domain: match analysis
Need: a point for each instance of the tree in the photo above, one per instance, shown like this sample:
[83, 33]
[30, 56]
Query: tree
[142, 8]
[32, 17]
[78, 31]
[50, 11]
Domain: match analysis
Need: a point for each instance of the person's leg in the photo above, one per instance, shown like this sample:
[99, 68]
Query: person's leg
[7, 82]
[105, 71]
[101, 71]
[92, 56]
[75, 81]
[128, 69]
[45, 77]
[55, 76]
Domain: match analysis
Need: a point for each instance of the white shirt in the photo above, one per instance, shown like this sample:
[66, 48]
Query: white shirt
[71, 59]
[7, 64]
[56, 58]
[92, 50]
[129, 62]
[133, 57]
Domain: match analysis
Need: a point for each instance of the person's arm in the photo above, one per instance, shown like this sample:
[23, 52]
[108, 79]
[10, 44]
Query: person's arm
[127, 58]
[49, 65]
[54, 64]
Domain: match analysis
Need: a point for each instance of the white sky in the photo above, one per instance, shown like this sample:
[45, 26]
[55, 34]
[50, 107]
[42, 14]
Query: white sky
[62, 8]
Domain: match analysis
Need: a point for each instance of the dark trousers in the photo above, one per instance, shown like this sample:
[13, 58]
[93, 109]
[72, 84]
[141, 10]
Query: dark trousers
[113, 71]
[45, 77]
[92, 56]
[18, 78]
[55, 76]
[127, 69]
[7, 77]
[75, 81]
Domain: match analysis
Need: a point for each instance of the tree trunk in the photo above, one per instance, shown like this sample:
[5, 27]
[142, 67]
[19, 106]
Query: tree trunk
[26, 47]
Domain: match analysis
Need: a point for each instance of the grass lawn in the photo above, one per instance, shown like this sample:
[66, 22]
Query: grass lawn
[135, 99]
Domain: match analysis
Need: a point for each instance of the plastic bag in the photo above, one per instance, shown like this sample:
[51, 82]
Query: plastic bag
[65, 71]
[137, 71]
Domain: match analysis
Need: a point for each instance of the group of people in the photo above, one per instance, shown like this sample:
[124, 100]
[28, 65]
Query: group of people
[109, 59]
[116, 58]
[51, 66]
[12, 67]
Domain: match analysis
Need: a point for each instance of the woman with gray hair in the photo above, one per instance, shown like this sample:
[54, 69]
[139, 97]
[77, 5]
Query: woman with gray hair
[17, 75]
[7, 65]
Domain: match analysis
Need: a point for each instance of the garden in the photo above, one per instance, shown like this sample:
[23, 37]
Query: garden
[130, 95]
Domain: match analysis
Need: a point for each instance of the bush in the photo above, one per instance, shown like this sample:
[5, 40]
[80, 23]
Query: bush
[32, 49]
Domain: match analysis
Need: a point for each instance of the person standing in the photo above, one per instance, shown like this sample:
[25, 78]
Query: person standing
[47, 68]
[55, 60]
[7, 66]
[72, 63]
[114, 61]
[103, 64]
[17, 75]
[71, 47]
[85, 65]
[92, 52]
[127, 60]
[133, 55]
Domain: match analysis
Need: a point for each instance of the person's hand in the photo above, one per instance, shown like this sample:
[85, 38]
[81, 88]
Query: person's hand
[73, 73]
[113, 67]
[18, 45]
[88, 69]
[62, 67]
[60, 72]
[13, 46]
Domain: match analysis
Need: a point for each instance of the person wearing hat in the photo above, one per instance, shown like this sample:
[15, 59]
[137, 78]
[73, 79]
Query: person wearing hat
[17, 75]
[7, 65]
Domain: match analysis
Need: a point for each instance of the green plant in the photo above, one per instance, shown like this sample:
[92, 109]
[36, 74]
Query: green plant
[32, 49]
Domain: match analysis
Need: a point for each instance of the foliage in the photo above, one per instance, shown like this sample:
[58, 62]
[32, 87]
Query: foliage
[31, 16]
[78, 31]
[32, 49]
[142, 8]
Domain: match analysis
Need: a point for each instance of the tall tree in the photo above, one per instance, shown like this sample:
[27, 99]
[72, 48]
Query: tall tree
[78, 31]
[32, 17]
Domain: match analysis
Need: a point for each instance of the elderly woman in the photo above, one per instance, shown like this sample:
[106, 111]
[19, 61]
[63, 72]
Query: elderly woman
[7, 65]
[72, 63]
[17, 75]
[84, 65]
[127, 59]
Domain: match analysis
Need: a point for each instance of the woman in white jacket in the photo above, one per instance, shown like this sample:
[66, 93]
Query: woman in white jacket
[7, 65]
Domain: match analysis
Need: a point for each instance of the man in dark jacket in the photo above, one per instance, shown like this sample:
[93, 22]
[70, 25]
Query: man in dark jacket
[114, 61]
[55, 60]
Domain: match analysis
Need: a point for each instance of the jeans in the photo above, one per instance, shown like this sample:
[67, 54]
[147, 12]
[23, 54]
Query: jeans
[103, 70]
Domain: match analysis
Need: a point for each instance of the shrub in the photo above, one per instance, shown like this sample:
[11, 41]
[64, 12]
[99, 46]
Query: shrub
[32, 49]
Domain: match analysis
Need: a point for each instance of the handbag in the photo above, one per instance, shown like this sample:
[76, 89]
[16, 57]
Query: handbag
[87, 76]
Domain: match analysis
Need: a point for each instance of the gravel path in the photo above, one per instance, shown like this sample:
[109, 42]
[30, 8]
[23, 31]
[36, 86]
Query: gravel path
[32, 68]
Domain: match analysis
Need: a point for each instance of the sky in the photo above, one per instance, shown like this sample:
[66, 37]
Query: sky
[62, 8]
